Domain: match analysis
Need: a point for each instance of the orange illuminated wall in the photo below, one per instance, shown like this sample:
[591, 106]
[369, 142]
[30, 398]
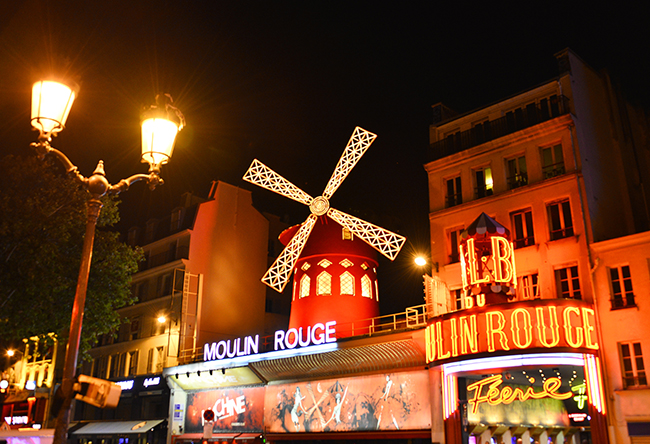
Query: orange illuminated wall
[335, 279]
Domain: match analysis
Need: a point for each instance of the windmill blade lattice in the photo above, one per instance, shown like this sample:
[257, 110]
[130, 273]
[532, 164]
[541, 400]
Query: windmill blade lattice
[278, 275]
[260, 174]
[386, 242]
[356, 147]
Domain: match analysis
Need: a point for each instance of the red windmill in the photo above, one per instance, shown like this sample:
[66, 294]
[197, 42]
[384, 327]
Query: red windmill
[335, 279]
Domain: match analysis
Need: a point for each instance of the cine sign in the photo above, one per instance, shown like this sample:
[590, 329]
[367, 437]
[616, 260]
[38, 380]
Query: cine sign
[499, 329]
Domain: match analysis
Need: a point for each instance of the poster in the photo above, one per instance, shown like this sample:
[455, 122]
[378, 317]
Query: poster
[235, 409]
[390, 401]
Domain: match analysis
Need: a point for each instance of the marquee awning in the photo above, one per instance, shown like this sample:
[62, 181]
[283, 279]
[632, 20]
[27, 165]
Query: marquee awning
[117, 427]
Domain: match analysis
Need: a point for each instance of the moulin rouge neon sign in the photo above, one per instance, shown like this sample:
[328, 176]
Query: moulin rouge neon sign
[548, 324]
[495, 394]
[283, 340]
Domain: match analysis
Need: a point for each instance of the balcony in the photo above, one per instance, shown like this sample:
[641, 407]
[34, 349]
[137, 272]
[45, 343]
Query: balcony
[513, 121]
[156, 260]
[623, 302]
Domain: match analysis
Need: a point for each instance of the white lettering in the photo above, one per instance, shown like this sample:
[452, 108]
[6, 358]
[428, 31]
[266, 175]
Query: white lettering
[291, 332]
[321, 337]
[126, 385]
[226, 407]
[150, 381]
[330, 331]
[314, 335]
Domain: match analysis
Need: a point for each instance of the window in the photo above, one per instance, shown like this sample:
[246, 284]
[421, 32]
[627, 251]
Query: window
[176, 219]
[160, 358]
[150, 361]
[346, 234]
[453, 238]
[552, 161]
[529, 286]
[305, 282]
[454, 192]
[324, 284]
[632, 365]
[269, 305]
[347, 283]
[522, 227]
[150, 230]
[559, 219]
[133, 363]
[366, 287]
[135, 328]
[517, 173]
[622, 294]
[457, 296]
[568, 283]
[484, 182]
[164, 285]
[115, 363]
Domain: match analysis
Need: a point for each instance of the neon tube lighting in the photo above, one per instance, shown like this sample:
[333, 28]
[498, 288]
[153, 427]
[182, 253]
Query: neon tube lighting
[515, 361]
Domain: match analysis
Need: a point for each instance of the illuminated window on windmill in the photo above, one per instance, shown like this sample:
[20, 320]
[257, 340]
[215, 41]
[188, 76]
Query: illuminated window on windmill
[366, 287]
[324, 263]
[347, 283]
[324, 284]
[346, 263]
[364, 266]
[376, 290]
[347, 234]
[305, 266]
[305, 281]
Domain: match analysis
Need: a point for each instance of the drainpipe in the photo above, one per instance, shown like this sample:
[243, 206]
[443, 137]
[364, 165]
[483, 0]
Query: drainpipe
[593, 265]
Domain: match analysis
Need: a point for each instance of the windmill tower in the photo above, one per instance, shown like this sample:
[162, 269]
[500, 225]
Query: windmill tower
[335, 279]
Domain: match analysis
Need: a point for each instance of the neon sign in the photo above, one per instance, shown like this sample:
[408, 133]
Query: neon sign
[547, 324]
[126, 385]
[151, 381]
[496, 265]
[495, 395]
[294, 337]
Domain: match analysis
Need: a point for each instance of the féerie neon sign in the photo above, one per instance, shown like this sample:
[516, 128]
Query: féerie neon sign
[495, 395]
[294, 337]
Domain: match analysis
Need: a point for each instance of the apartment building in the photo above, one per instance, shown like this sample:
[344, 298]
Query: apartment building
[562, 166]
[199, 283]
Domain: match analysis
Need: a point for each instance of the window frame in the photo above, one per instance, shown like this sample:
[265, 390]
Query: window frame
[529, 285]
[455, 198]
[631, 375]
[570, 280]
[517, 178]
[624, 297]
[453, 251]
[563, 211]
[486, 187]
[557, 167]
[527, 226]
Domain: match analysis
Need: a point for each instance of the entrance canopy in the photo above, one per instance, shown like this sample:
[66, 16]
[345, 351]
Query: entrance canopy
[117, 427]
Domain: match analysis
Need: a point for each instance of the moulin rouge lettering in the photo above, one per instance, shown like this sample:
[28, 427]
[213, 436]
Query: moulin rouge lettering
[495, 395]
[294, 337]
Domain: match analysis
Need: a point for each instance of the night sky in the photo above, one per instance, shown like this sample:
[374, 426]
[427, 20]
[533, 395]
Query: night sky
[287, 81]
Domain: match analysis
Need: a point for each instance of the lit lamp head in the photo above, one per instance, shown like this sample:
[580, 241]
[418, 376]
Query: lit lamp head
[160, 124]
[51, 103]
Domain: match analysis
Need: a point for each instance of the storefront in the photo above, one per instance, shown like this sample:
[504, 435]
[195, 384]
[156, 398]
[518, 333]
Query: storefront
[358, 389]
[524, 371]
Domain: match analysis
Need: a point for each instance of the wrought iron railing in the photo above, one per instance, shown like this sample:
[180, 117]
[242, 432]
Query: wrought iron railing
[413, 317]
[513, 121]
[623, 302]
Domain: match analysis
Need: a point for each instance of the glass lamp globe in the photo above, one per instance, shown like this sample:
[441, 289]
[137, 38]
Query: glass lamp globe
[51, 103]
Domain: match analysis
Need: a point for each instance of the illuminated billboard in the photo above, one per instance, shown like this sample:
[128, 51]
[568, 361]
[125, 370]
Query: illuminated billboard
[389, 401]
[234, 410]
[548, 325]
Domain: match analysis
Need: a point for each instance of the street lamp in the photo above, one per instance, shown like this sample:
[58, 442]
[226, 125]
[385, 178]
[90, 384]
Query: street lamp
[51, 103]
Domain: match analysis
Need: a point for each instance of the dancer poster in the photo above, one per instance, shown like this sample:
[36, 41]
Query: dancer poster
[235, 409]
[390, 401]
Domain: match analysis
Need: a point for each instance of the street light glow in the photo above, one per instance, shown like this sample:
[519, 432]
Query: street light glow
[420, 261]
[51, 103]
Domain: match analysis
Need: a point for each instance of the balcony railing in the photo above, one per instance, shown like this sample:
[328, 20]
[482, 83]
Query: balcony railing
[635, 381]
[513, 121]
[413, 317]
[623, 302]
[156, 260]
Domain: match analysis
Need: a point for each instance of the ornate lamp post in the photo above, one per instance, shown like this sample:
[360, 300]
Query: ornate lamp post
[51, 103]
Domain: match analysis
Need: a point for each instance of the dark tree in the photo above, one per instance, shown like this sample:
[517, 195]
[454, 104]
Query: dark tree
[42, 224]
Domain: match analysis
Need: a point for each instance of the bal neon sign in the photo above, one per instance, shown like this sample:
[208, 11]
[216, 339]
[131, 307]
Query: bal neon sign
[496, 266]
[294, 337]
[495, 394]
[547, 324]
